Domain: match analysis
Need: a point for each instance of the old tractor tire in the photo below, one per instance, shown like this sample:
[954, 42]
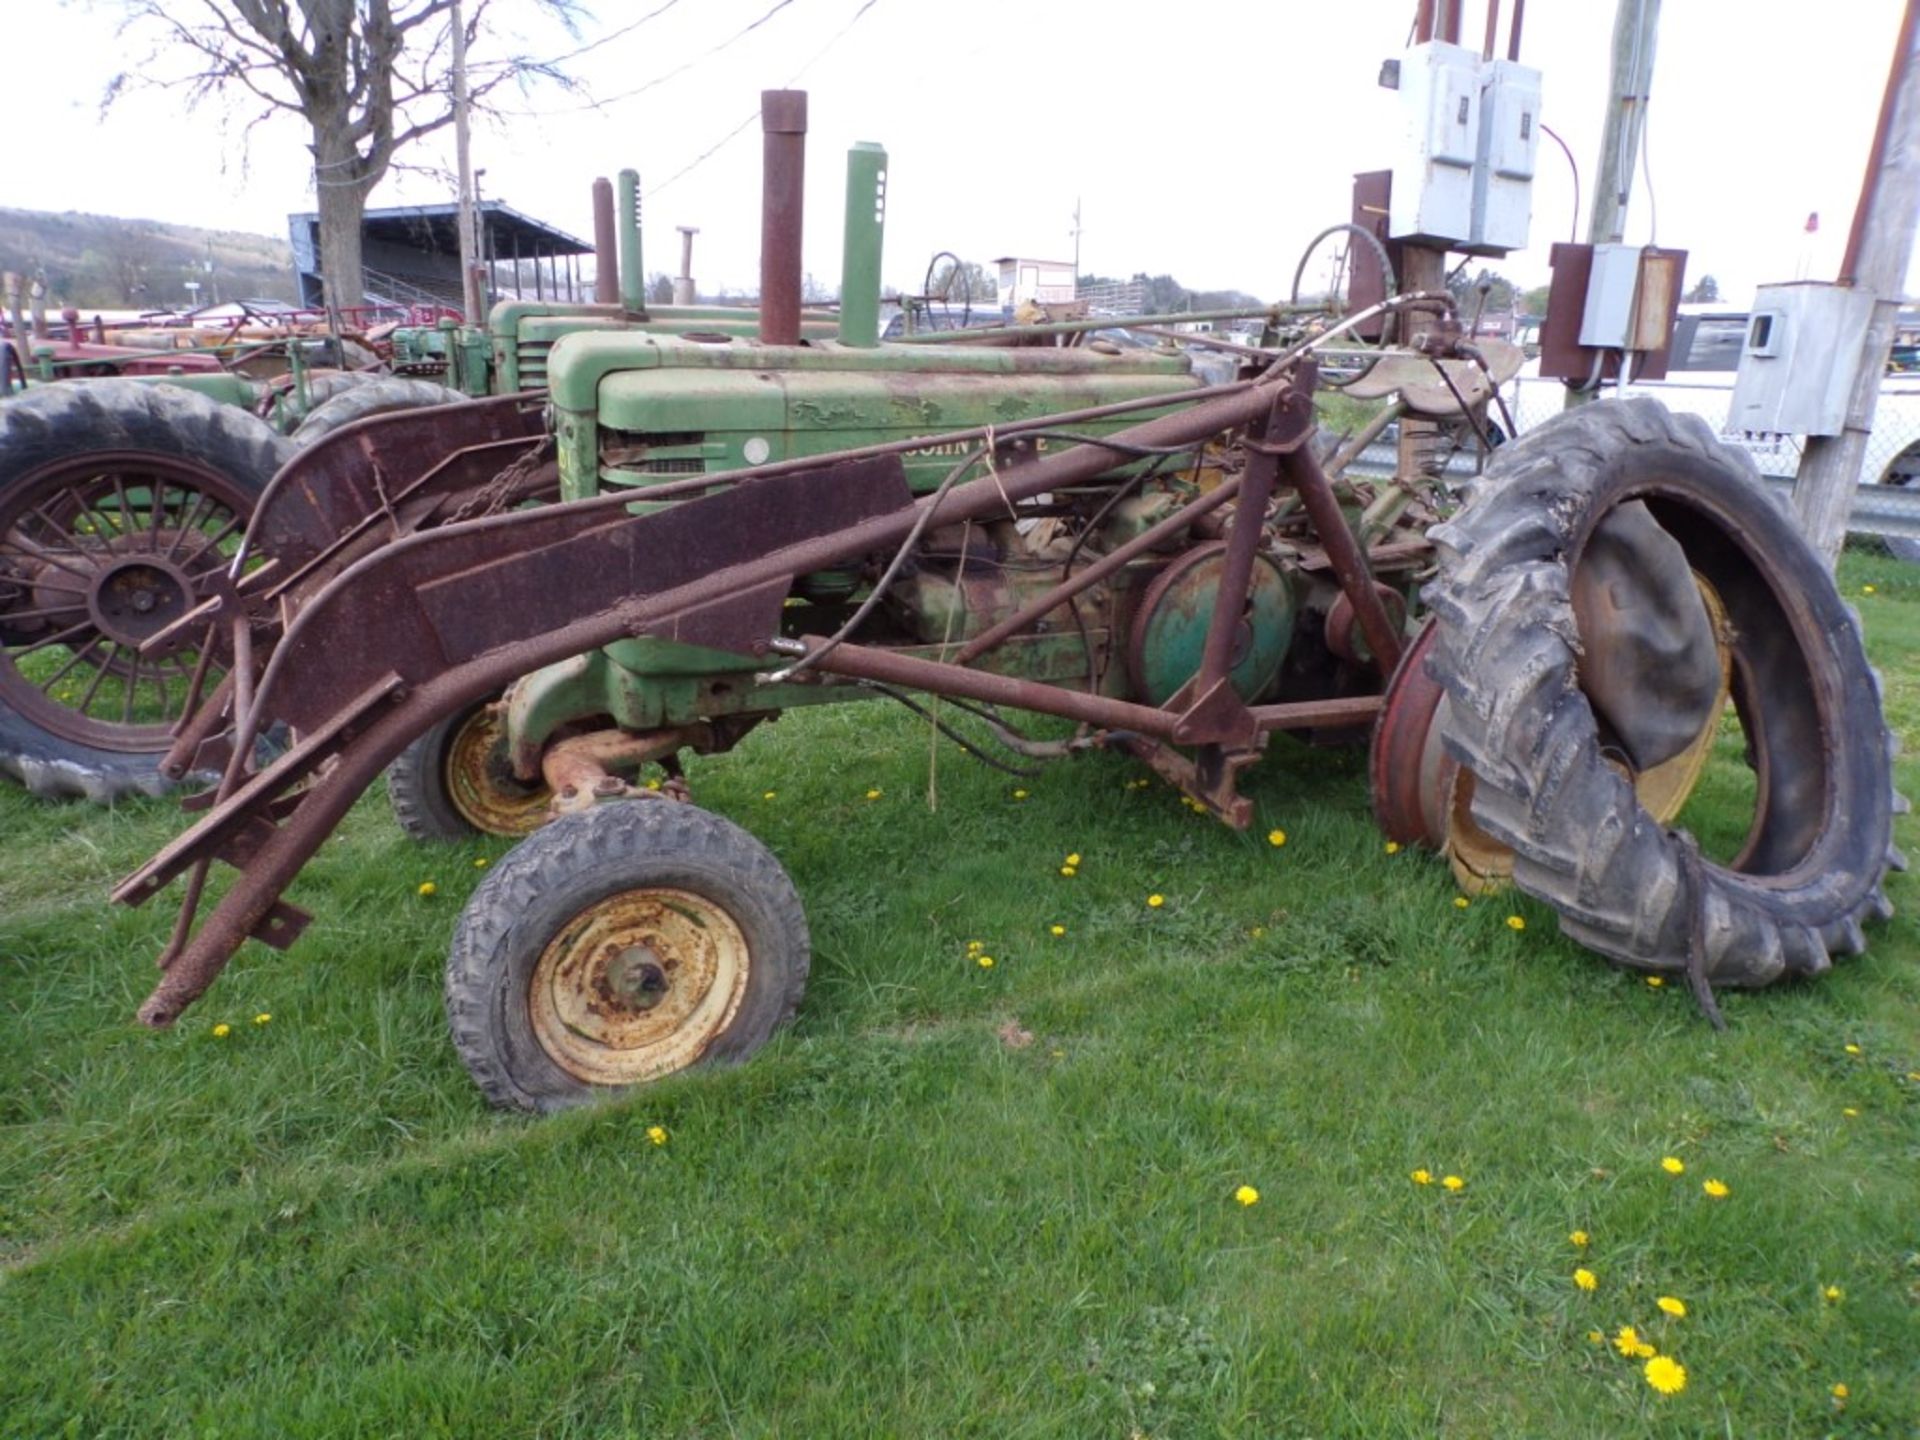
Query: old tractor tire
[119, 502]
[454, 782]
[1507, 654]
[379, 397]
[620, 945]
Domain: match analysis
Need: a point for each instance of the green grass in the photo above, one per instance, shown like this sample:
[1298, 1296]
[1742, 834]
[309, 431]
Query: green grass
[895, 1221]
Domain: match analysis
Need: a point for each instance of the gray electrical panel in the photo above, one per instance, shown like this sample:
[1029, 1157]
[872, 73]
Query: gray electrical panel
[1797, 367]
[1503, 171]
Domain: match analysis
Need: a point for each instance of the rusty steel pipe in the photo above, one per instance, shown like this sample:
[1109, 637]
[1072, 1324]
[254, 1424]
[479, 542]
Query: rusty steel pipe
[606, 246]
[859, 662]
[1343, 554]
[1513, 31]
[783, 122]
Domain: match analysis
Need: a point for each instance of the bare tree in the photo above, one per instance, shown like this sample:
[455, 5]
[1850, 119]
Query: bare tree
[369, 77]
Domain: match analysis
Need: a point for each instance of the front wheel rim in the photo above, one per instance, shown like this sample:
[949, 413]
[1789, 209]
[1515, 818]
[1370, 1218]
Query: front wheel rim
[638, 985]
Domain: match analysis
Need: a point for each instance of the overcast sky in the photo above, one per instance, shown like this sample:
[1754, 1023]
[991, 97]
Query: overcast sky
[1208, 139]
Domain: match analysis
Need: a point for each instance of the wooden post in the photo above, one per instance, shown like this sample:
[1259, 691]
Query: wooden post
[1878, 250]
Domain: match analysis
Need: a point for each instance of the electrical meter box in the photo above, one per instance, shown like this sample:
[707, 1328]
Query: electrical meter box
[1503, 169]
[1432, 199]
[1802, 349]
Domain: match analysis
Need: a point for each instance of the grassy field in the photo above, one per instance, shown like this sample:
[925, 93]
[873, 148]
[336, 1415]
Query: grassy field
[955, 1200]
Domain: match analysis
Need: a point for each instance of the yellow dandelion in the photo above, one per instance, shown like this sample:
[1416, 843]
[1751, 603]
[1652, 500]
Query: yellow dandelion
[1849, 1111]
[1073, 859]
[873, 794]
[1586, 1279]
[1674, 1165]
[1839, 1392]
[1628, 1342]
[1019, 794]
[657, 1134]
[1423, 1177]
[1454, 1183]
[1515, 922]
[1718, 1189]
[1851, 1048]
[1276, 837]
[1247, 1195]
[974, 947]
[1672, 1306]
[768, 795]
[653, 784]
[1460, 902]
[1833, 1294]
[1154, 902]
[985, 962]
[220, 1032]
[480, 862]
[1578, 1239]
[1069, 871]
[427, 887]
[1866, 590]
[1258, 932]
[1393, 847]
[1056, 931]
[263, 1018]
[1666, 1374]
[1595, 1337]
[1914, 1075]
[1654, 982]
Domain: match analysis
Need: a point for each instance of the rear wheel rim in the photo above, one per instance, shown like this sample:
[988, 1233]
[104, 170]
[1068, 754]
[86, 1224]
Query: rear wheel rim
[98, 553]
[638, 985]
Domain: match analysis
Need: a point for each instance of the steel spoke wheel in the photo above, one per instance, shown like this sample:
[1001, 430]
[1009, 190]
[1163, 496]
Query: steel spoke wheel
[120, 506]
[617, 946]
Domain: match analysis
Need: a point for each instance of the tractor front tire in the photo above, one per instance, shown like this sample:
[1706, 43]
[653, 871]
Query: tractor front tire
[620, 945]
[455, 782]
[1508, 654]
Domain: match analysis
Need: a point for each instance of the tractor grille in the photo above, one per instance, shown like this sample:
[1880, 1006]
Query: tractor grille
[628, 455]
[530, 356]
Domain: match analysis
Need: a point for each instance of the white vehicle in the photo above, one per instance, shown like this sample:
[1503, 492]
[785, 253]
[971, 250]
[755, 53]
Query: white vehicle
[1707, 341]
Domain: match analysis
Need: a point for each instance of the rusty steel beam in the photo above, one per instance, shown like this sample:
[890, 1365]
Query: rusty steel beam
[1343, 552]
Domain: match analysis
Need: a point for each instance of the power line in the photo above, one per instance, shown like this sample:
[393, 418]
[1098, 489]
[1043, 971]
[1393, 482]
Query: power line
[722, 142]
[680, 69]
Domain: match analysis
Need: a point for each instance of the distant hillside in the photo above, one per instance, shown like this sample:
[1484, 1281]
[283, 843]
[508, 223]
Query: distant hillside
[107, 262]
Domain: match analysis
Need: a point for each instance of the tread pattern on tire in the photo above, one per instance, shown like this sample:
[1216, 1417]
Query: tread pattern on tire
[1506, 653]
[54, 421]
[416, 791]
[378, 397]
[693, 844]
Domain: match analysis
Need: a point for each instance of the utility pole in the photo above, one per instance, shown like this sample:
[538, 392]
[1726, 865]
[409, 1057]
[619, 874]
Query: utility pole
[1076, 244]
[1878, 250]
[1636, 23]
[470, 297]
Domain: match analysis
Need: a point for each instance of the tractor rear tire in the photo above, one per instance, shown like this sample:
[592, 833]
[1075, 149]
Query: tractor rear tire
[1507, 654]
[619, 945]
[111, 492]
[379, 397]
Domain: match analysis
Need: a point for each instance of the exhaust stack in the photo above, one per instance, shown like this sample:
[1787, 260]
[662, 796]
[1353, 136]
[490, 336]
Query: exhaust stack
[783, 122]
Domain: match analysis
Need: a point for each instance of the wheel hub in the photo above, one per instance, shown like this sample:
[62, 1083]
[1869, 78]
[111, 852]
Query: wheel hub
[131, 599]
[638, 985]
[481, 783]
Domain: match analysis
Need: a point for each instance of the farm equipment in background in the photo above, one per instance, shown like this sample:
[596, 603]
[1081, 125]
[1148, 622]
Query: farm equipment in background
[750, 524]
